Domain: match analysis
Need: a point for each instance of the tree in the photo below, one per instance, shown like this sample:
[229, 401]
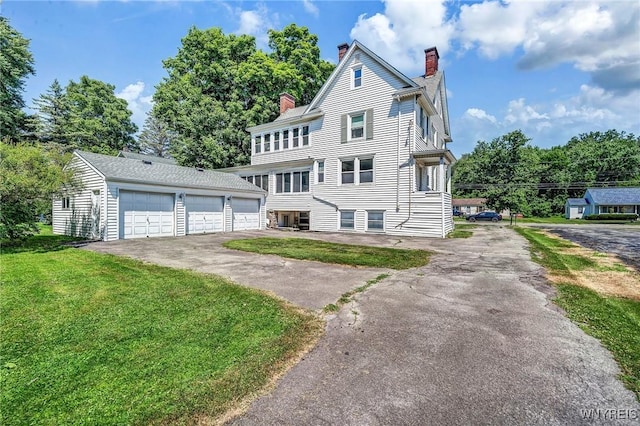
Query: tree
[16, 63]
[218, 85]
[53, 111]
[96, 120]
[30, 176]
[156, 137]
[504, 171]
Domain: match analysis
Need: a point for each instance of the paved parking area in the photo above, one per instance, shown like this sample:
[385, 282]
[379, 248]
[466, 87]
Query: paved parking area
[471, 338]
[621, 240]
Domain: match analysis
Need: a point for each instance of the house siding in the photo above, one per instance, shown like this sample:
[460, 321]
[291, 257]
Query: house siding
[391, 146]
[77, 220]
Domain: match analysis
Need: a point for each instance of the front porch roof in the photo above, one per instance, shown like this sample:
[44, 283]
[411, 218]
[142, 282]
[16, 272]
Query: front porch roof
[433, 156]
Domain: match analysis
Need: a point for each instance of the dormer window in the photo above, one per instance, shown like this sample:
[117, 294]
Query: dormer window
[357, 77]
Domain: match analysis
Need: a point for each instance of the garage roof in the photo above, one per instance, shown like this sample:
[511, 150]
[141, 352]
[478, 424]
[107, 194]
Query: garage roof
[159, 173]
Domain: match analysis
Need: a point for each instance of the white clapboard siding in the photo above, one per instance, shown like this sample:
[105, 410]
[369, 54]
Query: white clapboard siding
[77, 220]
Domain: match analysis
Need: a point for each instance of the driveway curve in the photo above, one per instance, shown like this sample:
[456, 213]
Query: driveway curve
[471, 338]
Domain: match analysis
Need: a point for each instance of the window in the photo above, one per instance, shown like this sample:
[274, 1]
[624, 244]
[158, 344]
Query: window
[285, 139]
[296, 133]
[347, 219]
[305, 135]
[366, 170]
[258, 144]
[375, 220]
[292, 182]
[357, 126]
[66, 203]
[267, 143]
[424, 122]
[357, 171]
[357, 77]
[276, 141]
[348, 168]
[287, 182]
[580, 210]
[261, 181]
[320, 178]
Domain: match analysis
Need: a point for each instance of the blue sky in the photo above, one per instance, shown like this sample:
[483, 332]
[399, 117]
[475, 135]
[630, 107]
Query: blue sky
[553, 69]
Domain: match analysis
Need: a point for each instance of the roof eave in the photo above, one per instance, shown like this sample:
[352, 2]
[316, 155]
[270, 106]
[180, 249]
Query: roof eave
[283, 123]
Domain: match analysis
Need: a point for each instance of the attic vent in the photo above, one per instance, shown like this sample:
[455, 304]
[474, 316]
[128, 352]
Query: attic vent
[200, 169]
[147, 162]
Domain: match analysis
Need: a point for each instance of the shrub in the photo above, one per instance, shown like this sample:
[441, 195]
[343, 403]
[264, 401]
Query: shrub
[612, 216]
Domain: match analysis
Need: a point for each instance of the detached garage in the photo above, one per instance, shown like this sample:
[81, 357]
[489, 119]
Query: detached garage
[122, 198]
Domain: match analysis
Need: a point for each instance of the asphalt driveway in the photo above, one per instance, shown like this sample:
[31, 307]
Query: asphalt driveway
[621, 240]
[470, 338]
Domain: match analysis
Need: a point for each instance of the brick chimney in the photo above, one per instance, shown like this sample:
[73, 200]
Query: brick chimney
[286, 102]
[431, 57]
[342, 50]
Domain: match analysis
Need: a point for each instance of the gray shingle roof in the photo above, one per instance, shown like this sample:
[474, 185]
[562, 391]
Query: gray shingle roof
[132, 170]
[292, 112]
[577, 201]
[153, 158]
[615, 196]
[429, 83]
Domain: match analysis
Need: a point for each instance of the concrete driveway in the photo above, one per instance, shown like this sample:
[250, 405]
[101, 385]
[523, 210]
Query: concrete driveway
[470, 338]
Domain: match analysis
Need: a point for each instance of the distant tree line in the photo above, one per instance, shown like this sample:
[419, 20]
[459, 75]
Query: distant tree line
[512, 174]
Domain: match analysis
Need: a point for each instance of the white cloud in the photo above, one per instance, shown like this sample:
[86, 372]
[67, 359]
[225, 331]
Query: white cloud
[311, 8]
[138, 104]
[404, 30]
[480, 114]
[521, 114]
[597, 37]
[255, 22]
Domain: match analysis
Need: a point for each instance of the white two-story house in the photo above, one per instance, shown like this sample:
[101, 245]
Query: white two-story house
[368, 154]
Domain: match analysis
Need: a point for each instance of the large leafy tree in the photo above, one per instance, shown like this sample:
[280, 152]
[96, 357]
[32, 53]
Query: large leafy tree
[16, 64]
[30, 175]
[505, 171]
[218, 85]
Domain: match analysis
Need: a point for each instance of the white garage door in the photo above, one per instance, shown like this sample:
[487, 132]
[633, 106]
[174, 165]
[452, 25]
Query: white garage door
[246, 213]
[204, 214]
[146, 214]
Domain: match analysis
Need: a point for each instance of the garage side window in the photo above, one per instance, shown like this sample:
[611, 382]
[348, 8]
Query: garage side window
[66, 203]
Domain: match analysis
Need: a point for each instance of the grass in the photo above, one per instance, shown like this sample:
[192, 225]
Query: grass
[461, 231]
[89, 338]
[348, 296]
[615, 321]
[343, 254]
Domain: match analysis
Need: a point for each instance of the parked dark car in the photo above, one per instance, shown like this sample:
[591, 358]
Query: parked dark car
[457, 212]
[492, 216]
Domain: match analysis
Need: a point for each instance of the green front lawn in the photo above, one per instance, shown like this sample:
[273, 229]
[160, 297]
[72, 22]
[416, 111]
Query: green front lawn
[89, 338]
[344, 254]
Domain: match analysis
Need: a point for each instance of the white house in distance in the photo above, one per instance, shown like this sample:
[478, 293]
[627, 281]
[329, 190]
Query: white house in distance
[368, 154]
[138, 196]
[604, 200]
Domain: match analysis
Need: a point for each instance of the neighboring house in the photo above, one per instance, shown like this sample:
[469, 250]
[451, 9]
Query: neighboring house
[470, 205]
[612, 200]
[368, 154]
[574, 208]
[147, 197]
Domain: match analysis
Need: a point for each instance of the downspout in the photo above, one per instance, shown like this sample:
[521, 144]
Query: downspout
[397, 98]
